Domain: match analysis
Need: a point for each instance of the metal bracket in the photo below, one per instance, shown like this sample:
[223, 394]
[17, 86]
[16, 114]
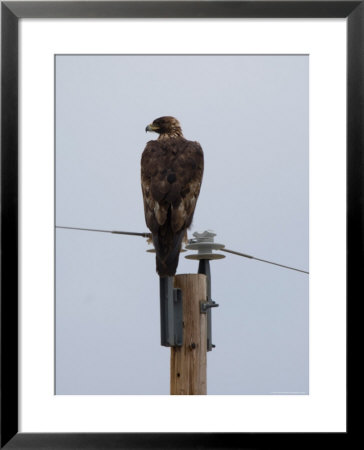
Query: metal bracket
[205, 306]
[171, 313]
[204, 244]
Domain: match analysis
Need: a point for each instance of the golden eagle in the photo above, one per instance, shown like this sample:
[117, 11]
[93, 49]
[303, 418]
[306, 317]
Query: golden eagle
[171, 175]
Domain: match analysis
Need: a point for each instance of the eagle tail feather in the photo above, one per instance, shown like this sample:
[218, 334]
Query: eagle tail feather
[167, 245]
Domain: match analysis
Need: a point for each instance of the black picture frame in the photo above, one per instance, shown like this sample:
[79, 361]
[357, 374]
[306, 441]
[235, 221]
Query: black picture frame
[11, 12]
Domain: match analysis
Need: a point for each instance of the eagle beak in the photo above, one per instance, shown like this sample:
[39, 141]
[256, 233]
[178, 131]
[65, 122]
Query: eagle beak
[151, 127]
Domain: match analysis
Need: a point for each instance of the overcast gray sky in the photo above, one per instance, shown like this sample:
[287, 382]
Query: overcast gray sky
[250, 114]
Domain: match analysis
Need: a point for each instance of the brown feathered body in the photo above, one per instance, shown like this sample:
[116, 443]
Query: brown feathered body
[171, 175]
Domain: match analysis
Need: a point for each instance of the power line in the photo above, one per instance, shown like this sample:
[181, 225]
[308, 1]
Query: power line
[130, 233]
[263, 260]
[149, 235]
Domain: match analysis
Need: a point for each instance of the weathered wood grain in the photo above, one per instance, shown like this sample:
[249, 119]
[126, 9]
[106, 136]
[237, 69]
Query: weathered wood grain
[188, 363]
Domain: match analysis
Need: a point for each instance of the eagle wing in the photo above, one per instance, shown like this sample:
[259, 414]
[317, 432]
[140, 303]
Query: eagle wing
[171, 176]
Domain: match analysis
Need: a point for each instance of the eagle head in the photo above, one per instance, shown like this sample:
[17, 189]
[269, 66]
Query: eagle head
[165, 126]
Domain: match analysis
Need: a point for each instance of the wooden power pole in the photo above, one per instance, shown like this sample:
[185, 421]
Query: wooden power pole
[188, 362]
